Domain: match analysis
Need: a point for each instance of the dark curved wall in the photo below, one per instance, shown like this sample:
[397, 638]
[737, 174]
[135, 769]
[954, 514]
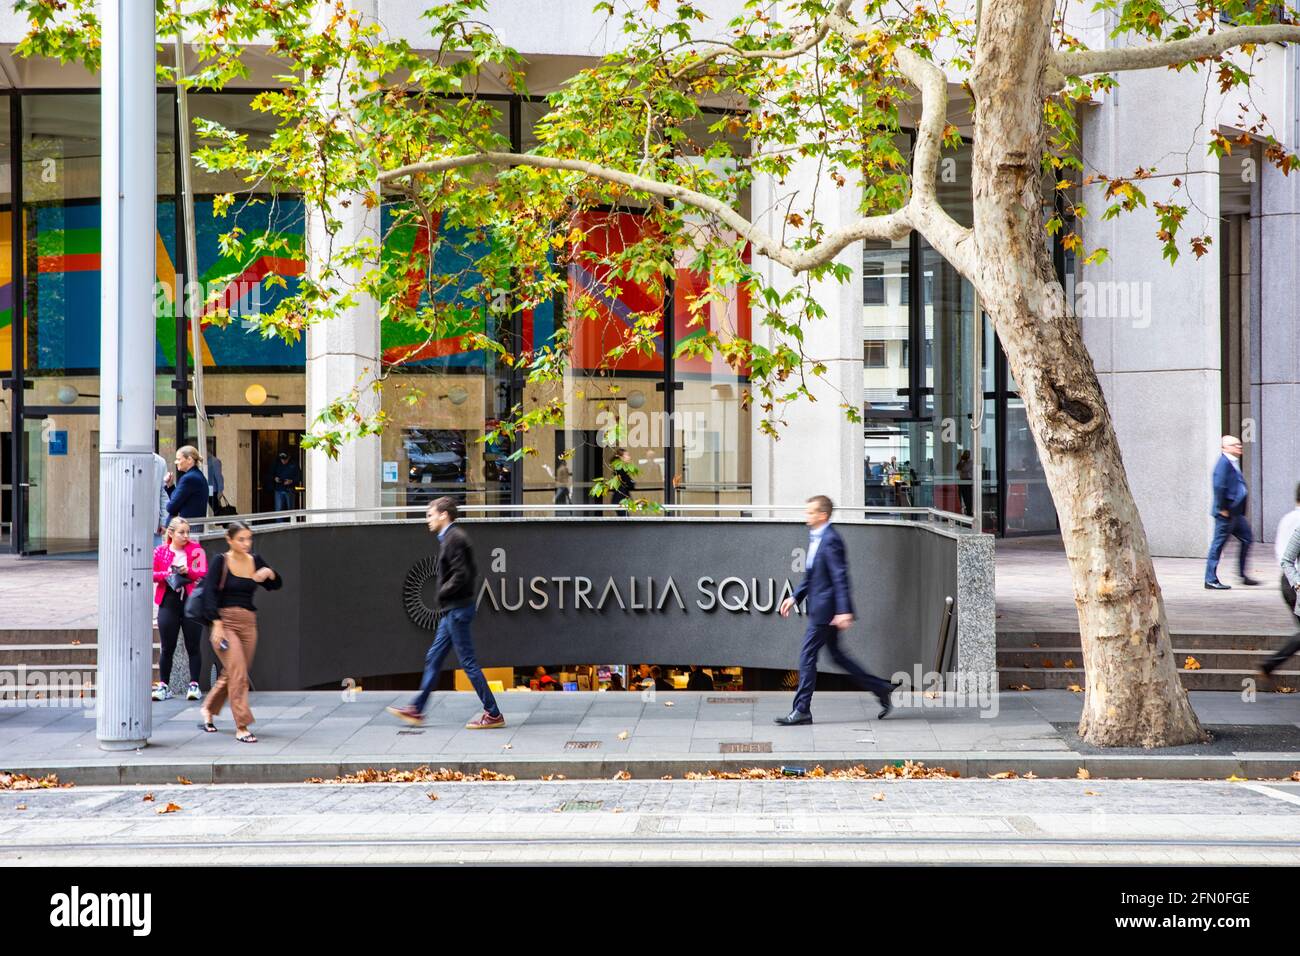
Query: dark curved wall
[341, 612]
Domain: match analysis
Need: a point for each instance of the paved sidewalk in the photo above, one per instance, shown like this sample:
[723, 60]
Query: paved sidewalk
[1034, 592]
[654, 821]
[320, 734]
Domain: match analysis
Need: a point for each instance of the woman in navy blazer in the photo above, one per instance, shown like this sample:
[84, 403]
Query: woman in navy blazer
[189, 496]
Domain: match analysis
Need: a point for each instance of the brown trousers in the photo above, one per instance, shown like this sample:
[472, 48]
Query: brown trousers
[239, 629]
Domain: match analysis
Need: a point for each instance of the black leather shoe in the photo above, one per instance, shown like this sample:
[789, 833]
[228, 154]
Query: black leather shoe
[793, 719]
[1249, 582]
[886, 706]
[1217, 586]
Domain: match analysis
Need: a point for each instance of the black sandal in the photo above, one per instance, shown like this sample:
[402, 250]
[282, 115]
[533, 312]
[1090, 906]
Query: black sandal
[246, 738]
[207, 726]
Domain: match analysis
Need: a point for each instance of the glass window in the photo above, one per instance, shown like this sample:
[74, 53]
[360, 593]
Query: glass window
[885, 326]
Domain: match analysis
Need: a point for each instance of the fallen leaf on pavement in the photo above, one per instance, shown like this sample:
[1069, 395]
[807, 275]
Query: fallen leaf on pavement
[1069, 662]
[1083, 774]
[1075, 689]
[1003, 775]
[20, 781]
[148, 798]
[1019, 687]
[1233, 778]
[668, 703]
[1047, 662]
[421, 774]
[170, 808]
[878, 796]
[622, 775]
[432, 796]
[1031, 776]
[616, 810]
[21, 806]
[184, 781]
[622, 735]
[1285, 690]
[507, 746]
[1191, 664]
[1090, 793]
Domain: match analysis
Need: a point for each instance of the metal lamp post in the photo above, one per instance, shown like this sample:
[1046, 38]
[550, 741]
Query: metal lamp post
[128, 493]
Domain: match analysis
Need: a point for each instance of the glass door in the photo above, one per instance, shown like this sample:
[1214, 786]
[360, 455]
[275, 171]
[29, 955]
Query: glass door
[36, 435]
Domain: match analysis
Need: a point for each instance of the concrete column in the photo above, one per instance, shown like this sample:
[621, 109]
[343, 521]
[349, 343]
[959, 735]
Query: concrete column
[820, 451]
[1152, 328]
[343, 351]
[128, 483]
[1278, 384]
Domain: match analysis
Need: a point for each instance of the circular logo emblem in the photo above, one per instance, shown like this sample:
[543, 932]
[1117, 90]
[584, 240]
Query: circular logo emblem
[417, 609]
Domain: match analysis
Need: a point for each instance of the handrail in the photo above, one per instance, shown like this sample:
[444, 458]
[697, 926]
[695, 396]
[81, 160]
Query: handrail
[416, 512]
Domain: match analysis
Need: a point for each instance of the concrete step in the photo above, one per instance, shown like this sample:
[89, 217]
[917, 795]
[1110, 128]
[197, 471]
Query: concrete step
[1041, 678]
[54, 655]
[1065, 658]
[52, 635]
[1069, 640]
[48, 635]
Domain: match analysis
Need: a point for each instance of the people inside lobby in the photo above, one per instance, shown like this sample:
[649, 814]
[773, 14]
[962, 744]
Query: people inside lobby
[700, 679]
[285, 478]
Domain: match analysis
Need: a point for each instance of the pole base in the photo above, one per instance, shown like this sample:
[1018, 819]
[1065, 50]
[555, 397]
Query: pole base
[123, 744]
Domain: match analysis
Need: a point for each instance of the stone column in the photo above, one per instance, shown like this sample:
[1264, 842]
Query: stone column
[820, 451]
[1152, 328]
[1277, 387]
[343, 352]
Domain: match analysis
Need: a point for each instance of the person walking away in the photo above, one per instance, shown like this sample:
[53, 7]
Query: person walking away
[700, 679]
[285, 476]
[965, 483]
[160, 477]
[228, 590]
[1229, 513]
[216, 478]
[825, 585]
[563, 485]
[456, 587]
[1290, 580]
[189, 493]
[178, 565]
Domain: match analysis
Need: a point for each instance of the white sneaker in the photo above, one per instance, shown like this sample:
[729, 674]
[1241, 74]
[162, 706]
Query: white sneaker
[161, 691]
[192, 693]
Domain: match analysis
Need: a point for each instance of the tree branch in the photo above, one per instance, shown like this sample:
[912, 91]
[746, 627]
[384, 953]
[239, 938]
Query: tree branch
[721, 46]
[892, 226]
[1172, 53]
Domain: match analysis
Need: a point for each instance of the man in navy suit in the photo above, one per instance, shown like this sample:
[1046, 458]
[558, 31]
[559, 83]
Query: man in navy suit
[830, 610]
[1229, 514]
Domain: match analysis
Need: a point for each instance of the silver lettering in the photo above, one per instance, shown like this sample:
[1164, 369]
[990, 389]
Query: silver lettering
[704, 585]
[670, 588]
[533, 586]
[486, 588]
[771, 595]
[610, 586]
[744, 590]
[559, 582]
[519, 603]
[581, 588]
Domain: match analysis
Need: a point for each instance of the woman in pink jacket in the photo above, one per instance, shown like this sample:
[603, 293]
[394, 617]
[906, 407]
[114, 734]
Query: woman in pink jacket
[178, 565]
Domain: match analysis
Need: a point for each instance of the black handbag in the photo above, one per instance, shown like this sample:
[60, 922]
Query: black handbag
[195, 603]
[224, 508]
[177, 580]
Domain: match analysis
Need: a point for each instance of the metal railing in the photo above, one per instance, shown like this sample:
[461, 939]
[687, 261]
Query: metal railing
[700, 512]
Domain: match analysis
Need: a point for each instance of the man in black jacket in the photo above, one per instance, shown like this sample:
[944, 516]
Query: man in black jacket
[457, 577]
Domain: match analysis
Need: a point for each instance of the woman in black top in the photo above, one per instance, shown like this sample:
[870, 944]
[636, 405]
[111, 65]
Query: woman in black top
[228, 604]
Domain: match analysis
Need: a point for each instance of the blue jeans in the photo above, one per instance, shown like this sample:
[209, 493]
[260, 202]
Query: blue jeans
[1235, 526]
[828, 636]
[283, 499]
[453, 631]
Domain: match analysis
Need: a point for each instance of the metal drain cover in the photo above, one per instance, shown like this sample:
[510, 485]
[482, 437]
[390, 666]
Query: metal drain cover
[582, 745]
[746, 747]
